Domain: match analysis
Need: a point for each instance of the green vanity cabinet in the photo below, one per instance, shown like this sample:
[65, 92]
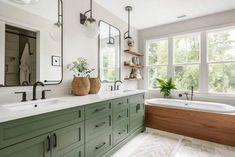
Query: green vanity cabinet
[93, 130]
[66, 142]
[136, 104]
[35, 147]
[63, 142]
[19, 130]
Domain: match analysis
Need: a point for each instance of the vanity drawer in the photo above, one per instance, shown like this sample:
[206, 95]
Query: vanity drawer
[120, 116]
[96, 126]
[136, 99]
[97, 109]
[136, 109]
[99, 146]
[120, 104]
[120, 132]
[19, 130]
[136, 123]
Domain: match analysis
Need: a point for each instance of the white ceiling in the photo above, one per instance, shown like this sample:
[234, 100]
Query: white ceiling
[149, 13]
[45, 8]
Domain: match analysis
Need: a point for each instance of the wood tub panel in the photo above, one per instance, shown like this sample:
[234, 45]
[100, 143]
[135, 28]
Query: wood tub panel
[219, 128]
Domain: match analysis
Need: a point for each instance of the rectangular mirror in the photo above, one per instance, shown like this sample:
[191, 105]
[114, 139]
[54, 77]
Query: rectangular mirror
[31, 42]
[109, 52]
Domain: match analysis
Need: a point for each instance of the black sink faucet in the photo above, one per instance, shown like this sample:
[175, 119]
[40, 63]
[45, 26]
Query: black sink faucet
[115, 84]
[35, 89]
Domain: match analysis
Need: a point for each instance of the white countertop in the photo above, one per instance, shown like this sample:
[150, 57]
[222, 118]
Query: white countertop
[63, 103]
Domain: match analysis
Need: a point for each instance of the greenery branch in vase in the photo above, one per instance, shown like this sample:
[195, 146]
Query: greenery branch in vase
[82, 84]
[80, 67]
[166, 87]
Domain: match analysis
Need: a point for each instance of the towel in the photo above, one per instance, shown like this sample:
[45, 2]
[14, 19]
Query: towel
[25, 65]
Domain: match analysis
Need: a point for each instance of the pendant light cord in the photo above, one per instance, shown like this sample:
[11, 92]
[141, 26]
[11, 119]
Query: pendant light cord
[128, 23]
[91, 6]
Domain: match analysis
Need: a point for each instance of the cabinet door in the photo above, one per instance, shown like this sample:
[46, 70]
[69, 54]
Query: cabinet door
[67, 142]
[36, 147]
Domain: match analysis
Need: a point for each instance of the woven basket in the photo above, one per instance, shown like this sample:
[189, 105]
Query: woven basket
[95, 85]
[81, 86]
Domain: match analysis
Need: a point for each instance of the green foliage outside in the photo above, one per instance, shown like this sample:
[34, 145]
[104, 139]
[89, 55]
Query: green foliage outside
[186, 50]
[221, 47]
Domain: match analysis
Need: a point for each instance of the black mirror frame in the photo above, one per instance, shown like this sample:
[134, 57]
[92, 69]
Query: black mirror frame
[60, 4]
[120, 56]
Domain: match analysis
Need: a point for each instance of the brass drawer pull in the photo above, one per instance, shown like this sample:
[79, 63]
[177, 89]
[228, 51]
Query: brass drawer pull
[122, 132]
[99, 125]
[100, 146]
[99, 109]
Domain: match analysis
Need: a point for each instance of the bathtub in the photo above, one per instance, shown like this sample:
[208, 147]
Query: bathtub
[192, 105]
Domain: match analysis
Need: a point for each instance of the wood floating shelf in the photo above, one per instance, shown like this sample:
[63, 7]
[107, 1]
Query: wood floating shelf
[133, 79]
[134, 66]
[134, 53]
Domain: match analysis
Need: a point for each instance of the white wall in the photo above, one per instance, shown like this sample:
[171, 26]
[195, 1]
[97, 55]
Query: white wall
[188, 26]
[76, 44]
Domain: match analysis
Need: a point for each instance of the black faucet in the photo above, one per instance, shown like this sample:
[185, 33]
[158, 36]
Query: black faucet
[192, 91]
[35, 89]
[186, 94]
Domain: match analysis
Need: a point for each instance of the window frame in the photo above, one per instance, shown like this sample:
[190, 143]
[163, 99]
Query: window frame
[148, 66]
[216, 62]
[203, 60]
[185, 64]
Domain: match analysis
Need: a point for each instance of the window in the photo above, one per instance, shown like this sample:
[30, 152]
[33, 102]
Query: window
[157, 60]
[179, 57]
[186, 61]
[221, 61]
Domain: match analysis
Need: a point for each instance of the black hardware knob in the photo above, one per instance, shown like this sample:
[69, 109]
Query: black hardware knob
[44, 93]
[24, 96]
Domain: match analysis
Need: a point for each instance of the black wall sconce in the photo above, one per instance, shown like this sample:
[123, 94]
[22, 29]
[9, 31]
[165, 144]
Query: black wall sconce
[92, 29]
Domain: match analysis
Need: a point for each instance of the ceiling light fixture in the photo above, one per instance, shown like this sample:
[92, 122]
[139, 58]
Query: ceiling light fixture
[55, 32]
[23, 2]
[128, 39]
[89, 23]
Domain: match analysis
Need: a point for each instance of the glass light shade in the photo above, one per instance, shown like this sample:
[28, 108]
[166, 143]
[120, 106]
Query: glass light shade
[91, 28]
[129, 43]
[55, 32]
[25, 1]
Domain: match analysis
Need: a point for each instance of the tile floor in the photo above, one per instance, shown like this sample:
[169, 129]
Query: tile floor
[154, 143]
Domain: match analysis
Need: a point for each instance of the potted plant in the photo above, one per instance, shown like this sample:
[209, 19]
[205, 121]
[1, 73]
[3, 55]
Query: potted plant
[81, 84]
[166, 87]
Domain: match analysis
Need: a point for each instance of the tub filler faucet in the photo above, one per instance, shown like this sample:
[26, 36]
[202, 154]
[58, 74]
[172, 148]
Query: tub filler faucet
[187, 94]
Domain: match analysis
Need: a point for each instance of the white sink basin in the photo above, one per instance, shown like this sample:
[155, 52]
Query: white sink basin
[127, 90]
[31, 105]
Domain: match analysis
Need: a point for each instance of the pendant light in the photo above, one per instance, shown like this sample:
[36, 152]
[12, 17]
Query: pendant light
[24, 1]
[111, 39]
[56, 32]
[129, 42]
[91, 27]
